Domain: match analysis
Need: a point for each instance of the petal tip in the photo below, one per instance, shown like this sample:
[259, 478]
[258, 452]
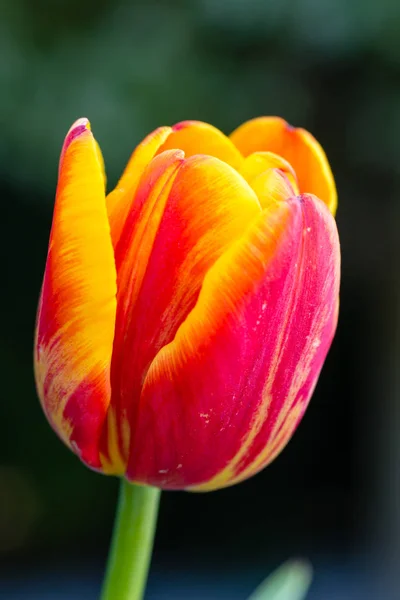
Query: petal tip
[83, 122]
[289, 127]
[79, 127]
[184, 124]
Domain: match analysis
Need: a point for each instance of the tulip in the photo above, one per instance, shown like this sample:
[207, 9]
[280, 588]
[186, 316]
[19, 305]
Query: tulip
[185, 317]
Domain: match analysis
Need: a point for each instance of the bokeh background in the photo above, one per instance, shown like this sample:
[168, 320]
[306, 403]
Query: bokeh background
[332, 66]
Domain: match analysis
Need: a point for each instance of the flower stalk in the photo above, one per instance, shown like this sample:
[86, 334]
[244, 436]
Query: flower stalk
[132, 542]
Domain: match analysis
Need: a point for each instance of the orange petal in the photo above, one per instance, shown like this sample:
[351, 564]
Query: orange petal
[297, 146]
[225, 395]
[188, 219]
[120, 200]
[196, 137]
[76, 315]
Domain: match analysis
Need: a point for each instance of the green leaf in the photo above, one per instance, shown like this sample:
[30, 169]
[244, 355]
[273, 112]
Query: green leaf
[290, 582]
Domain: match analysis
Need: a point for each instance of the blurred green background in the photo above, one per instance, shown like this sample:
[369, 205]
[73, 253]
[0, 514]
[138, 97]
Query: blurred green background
[332, 66]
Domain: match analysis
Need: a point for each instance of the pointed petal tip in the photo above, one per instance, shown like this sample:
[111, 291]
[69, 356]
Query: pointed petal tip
[80, 126]
[82, 122]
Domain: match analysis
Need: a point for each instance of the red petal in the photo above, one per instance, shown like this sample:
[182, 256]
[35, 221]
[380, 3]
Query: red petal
[224, 397]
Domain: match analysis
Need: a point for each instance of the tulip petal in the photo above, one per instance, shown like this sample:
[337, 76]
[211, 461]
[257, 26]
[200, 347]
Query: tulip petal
[120, 200]
[196, 137]
[193, 137]
[186, 223]
[258, 163]
[132, 254]
[270, 176]
[76, 315]
[272, 186]
[297, 146]
[225, 396]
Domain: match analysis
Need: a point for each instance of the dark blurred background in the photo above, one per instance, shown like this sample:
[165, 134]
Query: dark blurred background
[332, 66]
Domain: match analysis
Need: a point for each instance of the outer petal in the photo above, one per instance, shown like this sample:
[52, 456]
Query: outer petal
[76, 315]
[297, 146]
[224, 397]
[192, 210]
[196, 137]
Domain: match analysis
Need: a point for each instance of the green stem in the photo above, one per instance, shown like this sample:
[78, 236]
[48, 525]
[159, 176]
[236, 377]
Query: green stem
[132, 542]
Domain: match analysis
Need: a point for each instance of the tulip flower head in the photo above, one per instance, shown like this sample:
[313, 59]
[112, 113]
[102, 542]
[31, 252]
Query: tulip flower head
[185, 317]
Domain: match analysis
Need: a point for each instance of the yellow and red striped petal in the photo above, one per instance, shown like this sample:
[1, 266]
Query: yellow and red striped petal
[196, 137]
[297, 146]
[120, 200]
[225, 395]
[133, 252]
[76, 315]
[191, 211]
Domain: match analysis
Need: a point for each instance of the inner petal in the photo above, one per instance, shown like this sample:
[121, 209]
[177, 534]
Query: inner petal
[257, 163]
[272, 186]
[196, 137]
[297, 146]
[270, 176]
